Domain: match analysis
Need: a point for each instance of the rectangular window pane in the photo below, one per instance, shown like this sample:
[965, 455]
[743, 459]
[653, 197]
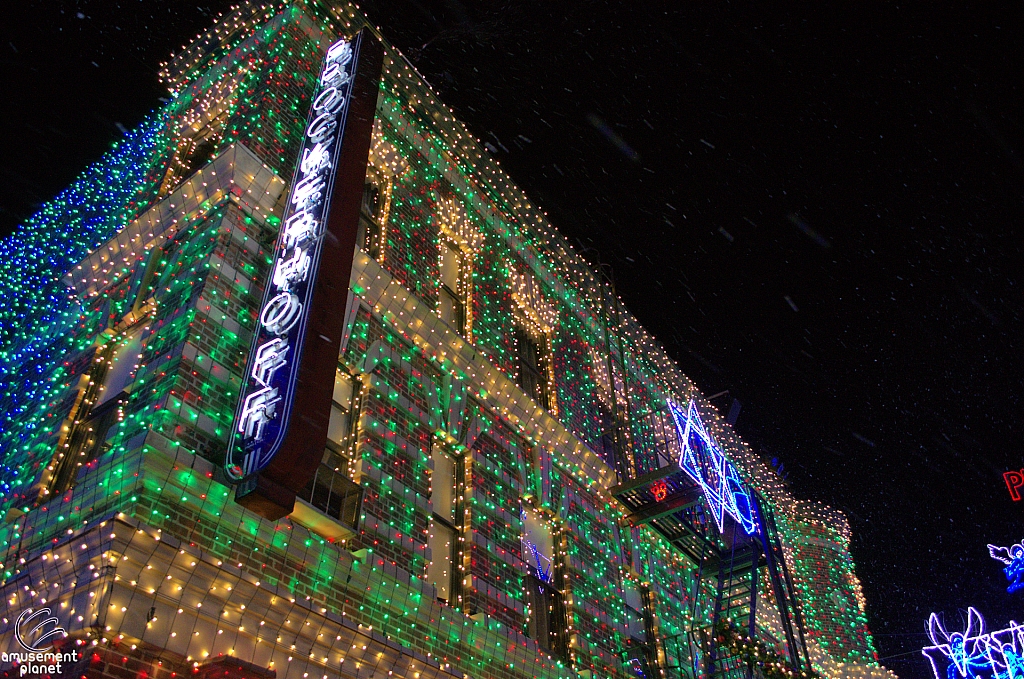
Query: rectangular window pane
[442, 485]
[334, 460]
[631, 596]
[123, 360]
[448, 309]
[343, 390]
[530, 382]
[450, 267]
[537, 545]
[339, 426]
[547, 616]
[371, 200]
[442, 550]
[634, 610]
[334, 494]
[371, 237]
[540, 621]
[531, 366]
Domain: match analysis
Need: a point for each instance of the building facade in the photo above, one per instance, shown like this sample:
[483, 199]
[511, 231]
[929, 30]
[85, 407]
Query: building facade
[516, 481]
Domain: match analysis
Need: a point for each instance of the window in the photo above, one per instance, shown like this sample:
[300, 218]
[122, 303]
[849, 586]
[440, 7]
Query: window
[547, 623]
[88, 440]
[612, 446]
[369, 220]
[531, 353]
[635, 618]
[332, 489]
[535, 323]
[459, 239]
[547, 616]
[333, 493]
[201, 154]
[374, 212]
[606, 443]
[199, 141]
[640, 654]
[445, 551]
[609, 407]
[452, 295]
[340, 428]
[99, 411]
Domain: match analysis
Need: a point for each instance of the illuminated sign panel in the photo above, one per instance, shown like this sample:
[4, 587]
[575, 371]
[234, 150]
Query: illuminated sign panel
[703, 461]
[284, 406]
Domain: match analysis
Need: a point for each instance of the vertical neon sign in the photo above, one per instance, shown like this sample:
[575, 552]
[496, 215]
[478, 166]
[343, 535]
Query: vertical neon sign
[284, 403]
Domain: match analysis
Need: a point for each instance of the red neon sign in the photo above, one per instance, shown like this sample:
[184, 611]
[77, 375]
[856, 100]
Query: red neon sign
[1014, 481]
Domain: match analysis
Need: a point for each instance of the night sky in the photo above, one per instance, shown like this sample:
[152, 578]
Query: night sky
[815, 208]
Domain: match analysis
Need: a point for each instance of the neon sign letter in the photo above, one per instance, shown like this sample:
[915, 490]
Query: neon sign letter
[1014, 480]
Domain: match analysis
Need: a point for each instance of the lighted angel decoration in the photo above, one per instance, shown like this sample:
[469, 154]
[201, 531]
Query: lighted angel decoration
[967, 652]
[1014, 664]
[1013, 557]
[1004, 652]
[1012, 661]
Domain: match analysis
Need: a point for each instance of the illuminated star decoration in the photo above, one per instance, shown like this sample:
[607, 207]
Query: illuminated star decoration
[1013, 557]
[705, 463]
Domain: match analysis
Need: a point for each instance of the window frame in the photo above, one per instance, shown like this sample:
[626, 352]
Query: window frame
[461, 297]
[548, 623]
[334, 476]
[454, 524]
[542, 371]
[373, 224]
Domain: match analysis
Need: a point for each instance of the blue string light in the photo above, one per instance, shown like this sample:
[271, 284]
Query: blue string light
[41, 325]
